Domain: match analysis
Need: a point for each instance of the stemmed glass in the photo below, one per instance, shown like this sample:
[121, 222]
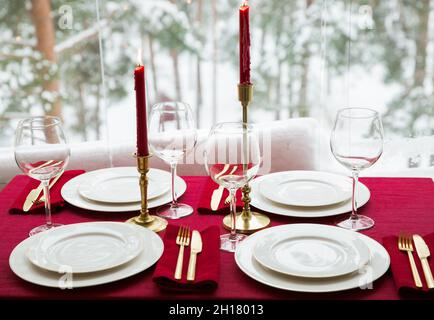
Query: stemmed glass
[232, 158]
[41, 152]
[172, 134]
[357, 143]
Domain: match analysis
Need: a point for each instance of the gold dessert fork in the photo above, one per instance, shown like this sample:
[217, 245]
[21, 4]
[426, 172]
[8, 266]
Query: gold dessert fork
[182, 240]
[405, 244]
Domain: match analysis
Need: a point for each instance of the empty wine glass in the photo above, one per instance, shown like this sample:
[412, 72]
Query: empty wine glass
[357, 143]
[41, 152]
[232, 158]
[172, 134]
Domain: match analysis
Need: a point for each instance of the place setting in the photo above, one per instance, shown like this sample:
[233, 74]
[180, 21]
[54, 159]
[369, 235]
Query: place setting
[312, 258]
[115, 189]
[85, 254]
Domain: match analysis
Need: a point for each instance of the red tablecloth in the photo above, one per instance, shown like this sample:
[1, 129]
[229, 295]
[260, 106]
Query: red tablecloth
[396, 204]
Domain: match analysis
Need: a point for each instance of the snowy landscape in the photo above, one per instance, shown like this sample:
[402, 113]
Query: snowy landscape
[309, 58]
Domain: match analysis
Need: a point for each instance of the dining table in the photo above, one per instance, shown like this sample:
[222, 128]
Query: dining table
[396, 204]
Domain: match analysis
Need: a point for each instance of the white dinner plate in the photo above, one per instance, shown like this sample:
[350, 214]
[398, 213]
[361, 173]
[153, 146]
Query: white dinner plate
[83, 248]
[306, 188]
[119, 185]
[71, 195]
[262, 203]
[23, 268]
[323, 253]
[378, 265]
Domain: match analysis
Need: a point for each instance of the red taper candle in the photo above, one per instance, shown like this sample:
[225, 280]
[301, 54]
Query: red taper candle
[244, 44]
[142, 128]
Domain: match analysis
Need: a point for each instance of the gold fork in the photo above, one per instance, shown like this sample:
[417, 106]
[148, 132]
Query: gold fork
[405, 244]
[229, 198]
[182, 240]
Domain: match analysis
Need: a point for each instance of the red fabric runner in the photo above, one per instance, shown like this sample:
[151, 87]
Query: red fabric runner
[396, 204]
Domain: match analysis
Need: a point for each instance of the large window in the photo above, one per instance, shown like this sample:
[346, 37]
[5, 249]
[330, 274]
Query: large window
[75, 59]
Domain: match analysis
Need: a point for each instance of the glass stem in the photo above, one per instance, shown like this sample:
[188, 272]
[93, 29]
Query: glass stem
[233, 208]
[354, 200]
[174, 203]
[46, 184]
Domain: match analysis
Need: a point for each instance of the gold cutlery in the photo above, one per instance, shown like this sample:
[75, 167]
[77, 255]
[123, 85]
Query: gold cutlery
[405, 244]
[196, 247]
[42, 199]
[182, 240]
[35, 193]
[218, 192]
[423, 253]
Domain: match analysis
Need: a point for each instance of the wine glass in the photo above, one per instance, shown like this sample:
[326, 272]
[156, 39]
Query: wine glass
[357, 143]
[41, 152]
[172, 134]
[232, 158]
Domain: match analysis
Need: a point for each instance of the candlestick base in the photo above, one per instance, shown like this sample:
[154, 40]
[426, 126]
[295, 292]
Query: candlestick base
[153, 223]
[157, 224]
[247, 224]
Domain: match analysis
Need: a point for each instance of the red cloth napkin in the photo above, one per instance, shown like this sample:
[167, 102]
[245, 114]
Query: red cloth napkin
[24, 184]
[400, 265]
[205, 199]
[207, 264]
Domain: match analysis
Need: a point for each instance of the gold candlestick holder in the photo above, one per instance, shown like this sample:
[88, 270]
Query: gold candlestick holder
[144, 219]
[246, 221]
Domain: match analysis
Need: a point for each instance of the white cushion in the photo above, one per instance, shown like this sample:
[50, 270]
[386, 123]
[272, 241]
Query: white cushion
[293, 144]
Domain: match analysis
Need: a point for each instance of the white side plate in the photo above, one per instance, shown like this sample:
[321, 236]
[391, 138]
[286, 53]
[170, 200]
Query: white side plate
[306, 188]
[265, 204]
[119, 185]
[82, 248]
[322, 254]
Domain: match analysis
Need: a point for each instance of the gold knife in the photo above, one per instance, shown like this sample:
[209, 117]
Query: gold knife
[217, 193]
[423, 253]
[195, 248]
[34, 194]
[31, 197]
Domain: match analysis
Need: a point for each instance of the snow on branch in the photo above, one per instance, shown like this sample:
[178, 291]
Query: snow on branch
[80, 37]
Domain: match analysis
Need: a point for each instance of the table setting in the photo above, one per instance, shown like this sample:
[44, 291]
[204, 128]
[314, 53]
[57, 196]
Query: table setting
[146, 233]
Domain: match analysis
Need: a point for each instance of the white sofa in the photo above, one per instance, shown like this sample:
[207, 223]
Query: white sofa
[288, 145]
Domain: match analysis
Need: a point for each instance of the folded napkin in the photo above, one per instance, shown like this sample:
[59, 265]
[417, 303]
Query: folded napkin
[24, 184]
[400, 265]
[207, 264]
[205, 199]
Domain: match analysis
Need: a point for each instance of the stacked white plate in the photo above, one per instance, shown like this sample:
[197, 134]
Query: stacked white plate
[85, 254]
[312, 258]
[117, 189]
[305, 194]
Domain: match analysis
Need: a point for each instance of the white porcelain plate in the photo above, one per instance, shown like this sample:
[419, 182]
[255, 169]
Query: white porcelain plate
[82, 248]
[71, 195]
[119, 185]
[378, 265]
[262, 203]
[320, 254]
[306, 188]
[23, 268]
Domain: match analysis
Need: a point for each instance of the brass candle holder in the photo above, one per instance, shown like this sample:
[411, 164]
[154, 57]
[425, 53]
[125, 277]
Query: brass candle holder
[146, 220]
[247, 221]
